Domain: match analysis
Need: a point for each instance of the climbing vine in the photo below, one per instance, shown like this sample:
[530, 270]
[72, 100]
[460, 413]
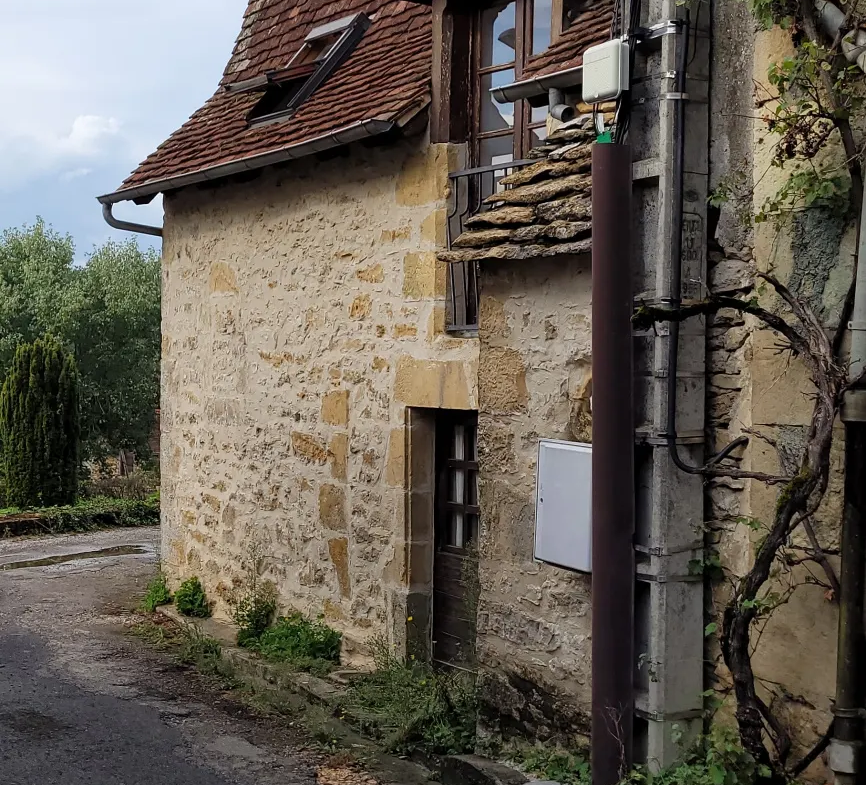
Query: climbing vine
[805, 109]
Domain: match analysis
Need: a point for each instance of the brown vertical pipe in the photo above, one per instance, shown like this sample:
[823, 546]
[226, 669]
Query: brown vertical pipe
[613, 567]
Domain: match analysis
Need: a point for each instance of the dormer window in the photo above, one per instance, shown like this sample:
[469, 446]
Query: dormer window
[323, 50]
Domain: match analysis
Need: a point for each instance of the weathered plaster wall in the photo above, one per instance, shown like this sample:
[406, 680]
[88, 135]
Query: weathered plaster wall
[534, 382]
[757, 391]
[303, 311]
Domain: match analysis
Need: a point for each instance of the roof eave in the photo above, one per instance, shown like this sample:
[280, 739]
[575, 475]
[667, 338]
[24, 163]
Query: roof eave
[355, 132]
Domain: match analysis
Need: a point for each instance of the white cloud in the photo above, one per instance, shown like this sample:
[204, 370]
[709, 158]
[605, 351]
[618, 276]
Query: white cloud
[25, 156]
[88, 134]
[90, 87]
[74, 174]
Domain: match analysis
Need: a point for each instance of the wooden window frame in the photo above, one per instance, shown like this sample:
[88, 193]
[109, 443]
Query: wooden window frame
[523, 124]
[456, 72]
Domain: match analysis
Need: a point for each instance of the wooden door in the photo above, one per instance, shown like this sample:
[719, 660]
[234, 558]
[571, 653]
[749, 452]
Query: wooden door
[455, 563]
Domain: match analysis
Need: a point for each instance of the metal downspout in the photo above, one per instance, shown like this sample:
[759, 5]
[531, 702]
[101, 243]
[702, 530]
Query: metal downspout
[128, 226]
[849, 723]
[846, 747]
[613, 484]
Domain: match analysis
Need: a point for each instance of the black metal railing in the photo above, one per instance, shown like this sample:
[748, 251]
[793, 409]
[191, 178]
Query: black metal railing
[469, 190]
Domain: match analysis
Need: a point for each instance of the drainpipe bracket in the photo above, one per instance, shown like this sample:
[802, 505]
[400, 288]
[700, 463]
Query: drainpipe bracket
[845, 756]
[850, 714]
[670, 716]
[854, 406]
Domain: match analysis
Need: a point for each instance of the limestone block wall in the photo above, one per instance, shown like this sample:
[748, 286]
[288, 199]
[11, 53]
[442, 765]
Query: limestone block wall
[534, 382]
[757, 391]
[303, 312]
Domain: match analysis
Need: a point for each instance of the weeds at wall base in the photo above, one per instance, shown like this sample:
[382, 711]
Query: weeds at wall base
[157, 594]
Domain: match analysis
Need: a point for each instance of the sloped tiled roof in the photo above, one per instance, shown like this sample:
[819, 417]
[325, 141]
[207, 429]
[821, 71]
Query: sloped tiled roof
[590, 28]
[385, 76]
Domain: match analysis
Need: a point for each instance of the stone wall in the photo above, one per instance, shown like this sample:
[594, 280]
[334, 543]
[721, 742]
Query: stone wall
[534, 382]
[758, 391]
[303, 312]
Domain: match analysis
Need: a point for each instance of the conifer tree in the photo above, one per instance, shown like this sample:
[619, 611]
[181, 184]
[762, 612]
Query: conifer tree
[39, 426]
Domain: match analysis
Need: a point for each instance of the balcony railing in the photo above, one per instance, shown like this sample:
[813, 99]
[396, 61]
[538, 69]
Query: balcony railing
[469, 189]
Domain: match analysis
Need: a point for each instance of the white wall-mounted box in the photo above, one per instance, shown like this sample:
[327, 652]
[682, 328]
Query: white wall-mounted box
[563, 504]
[605, 71]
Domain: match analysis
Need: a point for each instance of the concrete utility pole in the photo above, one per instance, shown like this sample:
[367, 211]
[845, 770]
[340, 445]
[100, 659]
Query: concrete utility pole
[669, 599]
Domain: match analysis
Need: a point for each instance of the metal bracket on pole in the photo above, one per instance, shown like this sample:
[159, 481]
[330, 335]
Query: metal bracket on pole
[659, 29]
[845, 756]
[854, 406]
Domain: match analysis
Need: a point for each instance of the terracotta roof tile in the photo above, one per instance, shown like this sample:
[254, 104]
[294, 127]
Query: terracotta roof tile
[590, 28]
[387, 75]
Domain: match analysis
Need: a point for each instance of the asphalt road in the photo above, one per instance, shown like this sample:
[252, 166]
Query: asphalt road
[82, 704]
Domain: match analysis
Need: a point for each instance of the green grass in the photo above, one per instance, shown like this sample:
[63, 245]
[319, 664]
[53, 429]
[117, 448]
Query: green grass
[157, 594]
[305, 645]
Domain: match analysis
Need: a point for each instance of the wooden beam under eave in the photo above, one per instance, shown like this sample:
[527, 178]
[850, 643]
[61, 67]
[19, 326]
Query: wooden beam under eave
[452, 72]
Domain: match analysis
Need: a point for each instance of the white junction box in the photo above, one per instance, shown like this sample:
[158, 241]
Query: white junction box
[563, 504]
[605, 71]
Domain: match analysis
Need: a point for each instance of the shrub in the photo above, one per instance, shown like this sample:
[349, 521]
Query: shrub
[554, 764]
[39, 426]
[413, 707]
[157, 594]
[716, 759]
[190, 599]
[304, 644]
[253, 611]
[138, 485]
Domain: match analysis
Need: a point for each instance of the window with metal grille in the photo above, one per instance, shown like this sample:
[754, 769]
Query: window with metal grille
[457, 456]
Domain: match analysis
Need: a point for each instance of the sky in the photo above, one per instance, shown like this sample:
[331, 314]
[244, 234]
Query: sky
[91, 87]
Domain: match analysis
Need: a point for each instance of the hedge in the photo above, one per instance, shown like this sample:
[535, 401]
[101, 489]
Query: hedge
[85, 515]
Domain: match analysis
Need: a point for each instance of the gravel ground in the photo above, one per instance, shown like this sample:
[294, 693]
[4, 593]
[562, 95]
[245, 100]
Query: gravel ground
[83, 703]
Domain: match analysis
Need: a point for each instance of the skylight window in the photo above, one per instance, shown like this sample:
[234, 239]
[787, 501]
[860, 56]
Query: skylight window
[323, 50]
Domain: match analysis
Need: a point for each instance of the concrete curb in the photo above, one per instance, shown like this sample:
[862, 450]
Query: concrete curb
[328, 694]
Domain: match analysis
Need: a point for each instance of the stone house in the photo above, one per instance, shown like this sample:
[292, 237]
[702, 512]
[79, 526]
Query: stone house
[360, 358]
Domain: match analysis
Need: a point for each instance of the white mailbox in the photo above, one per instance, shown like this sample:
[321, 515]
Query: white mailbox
[563, 504]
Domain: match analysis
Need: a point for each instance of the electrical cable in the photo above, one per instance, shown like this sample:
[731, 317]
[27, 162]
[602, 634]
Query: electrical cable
[676, 271]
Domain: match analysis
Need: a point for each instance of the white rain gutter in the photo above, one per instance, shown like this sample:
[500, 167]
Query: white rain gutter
[538, 85]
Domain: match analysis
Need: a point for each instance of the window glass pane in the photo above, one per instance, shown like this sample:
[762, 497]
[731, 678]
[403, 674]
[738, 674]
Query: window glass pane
[470, 533]
[498, 34]
[457, 442]
[495, 116]
[456, 533]
[542, 13]
[538, 136]
[499, 150]
[538, 114]
[458, 485]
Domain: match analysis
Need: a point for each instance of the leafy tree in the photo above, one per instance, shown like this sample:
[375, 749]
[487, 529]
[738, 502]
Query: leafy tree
[113, 321]
[39, 426]
[106, 311]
